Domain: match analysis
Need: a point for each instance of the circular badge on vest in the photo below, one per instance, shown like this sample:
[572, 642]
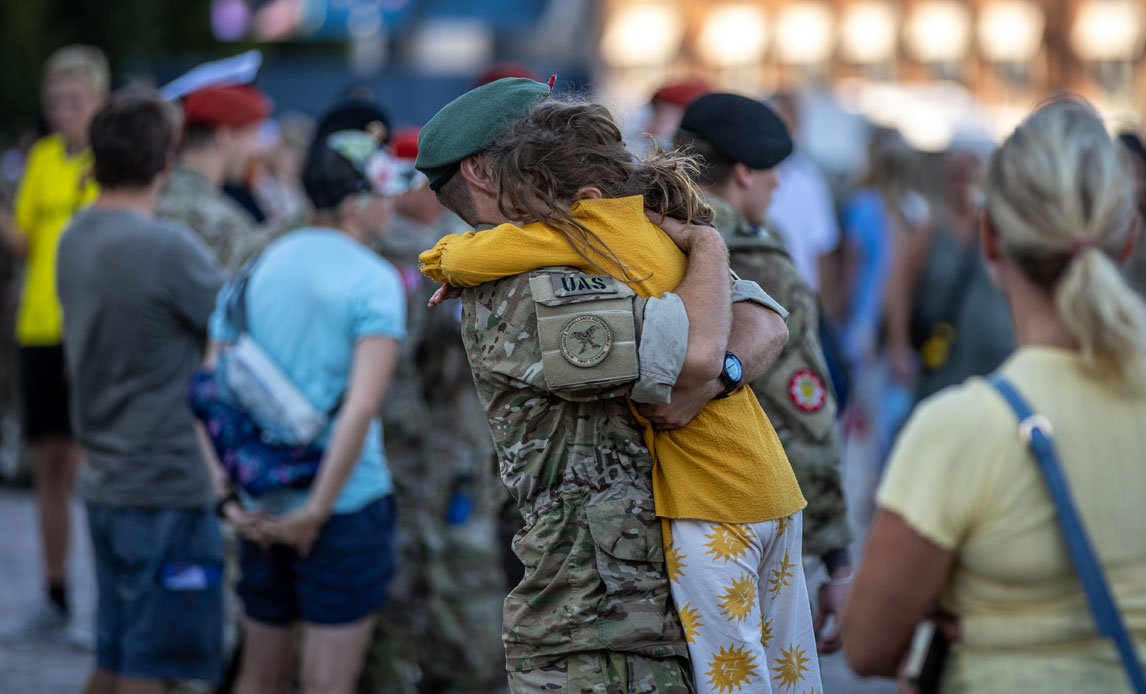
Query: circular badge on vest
[585, 341]
[807, 391]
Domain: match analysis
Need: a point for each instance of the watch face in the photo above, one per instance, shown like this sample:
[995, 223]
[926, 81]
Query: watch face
[732, 367]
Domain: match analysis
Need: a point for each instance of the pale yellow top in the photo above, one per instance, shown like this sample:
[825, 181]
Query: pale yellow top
[960, 477]
[55, 186]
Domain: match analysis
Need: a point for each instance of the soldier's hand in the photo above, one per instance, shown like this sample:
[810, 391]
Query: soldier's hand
[444, 293]
[687, 402]
[830, 604]
[683, 235]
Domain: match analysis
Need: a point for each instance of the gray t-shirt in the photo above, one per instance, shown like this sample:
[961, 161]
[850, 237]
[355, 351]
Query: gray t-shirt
[136, 294]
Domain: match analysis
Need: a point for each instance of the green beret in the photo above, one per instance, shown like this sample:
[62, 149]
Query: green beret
[472, 122]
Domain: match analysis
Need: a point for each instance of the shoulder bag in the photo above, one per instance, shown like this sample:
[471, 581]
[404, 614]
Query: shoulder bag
[1036, 432]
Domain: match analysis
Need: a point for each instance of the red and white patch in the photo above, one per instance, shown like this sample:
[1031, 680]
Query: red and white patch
[807, 391]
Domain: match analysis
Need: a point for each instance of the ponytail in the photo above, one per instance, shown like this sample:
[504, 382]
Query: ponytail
[1061, 199]
[1104, 314]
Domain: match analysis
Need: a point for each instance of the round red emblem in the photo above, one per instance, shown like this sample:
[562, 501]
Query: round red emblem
[807, 391]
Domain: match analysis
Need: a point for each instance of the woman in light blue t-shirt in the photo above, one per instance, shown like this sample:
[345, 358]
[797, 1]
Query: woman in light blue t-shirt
[330, 314]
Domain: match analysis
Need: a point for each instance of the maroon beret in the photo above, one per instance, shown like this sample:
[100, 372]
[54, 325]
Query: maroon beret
[404, 143]
[498, 71]
[681, 93]
[233, 106]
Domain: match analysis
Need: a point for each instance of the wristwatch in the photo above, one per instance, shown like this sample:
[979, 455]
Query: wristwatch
[732, 376]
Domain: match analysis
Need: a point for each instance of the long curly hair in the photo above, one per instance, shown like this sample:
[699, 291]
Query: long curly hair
[542, 162]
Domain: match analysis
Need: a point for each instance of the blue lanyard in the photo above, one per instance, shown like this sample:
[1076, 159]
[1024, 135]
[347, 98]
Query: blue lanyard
[1036, 433]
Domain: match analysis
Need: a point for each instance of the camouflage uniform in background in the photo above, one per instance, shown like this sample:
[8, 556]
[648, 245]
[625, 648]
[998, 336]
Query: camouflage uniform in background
[440, 631]
[233, 236]
[595, 604]
[795, 393]
[228, 230]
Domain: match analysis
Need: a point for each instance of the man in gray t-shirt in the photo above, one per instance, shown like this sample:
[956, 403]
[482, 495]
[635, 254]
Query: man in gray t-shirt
[136, 294]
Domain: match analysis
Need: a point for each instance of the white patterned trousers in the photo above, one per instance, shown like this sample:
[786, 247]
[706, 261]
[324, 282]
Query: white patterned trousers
[743, 602]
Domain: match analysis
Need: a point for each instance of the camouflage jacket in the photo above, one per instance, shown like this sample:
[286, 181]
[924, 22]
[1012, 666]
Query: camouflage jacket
[573, 459]
[795, 393]
[227, 229]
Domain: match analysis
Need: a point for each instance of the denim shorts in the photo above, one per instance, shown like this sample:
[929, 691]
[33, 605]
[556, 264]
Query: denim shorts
[343, 579]
[160, 608]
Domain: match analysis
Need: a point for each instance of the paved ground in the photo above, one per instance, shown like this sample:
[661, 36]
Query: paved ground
[46, 668]
[57, 668]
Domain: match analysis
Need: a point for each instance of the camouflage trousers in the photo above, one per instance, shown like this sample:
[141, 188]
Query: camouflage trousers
[605, 672]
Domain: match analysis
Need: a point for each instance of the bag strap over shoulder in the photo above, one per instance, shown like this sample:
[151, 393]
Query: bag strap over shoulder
[240, 306]
[1037, 434]
[237, 317]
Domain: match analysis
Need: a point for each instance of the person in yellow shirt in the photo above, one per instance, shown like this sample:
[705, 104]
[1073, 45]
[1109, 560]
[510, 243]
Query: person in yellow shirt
[56, 183]
[965, 518]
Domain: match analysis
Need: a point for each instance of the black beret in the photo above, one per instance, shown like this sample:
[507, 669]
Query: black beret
[353, 114]
[746, 130]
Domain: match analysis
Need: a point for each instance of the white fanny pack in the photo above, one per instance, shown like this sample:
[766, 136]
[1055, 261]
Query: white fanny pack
[258, 385]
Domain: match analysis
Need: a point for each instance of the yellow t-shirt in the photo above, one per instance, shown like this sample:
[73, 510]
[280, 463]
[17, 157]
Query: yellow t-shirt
[54, 187]
[727, 464]
[960, 476]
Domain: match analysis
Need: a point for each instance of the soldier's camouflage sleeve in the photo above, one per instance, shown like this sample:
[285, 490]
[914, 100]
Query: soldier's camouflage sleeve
[228, 230]
[747, 290]
[797, 397]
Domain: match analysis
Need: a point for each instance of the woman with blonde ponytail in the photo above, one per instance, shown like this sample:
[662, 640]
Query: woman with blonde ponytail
[965, 522]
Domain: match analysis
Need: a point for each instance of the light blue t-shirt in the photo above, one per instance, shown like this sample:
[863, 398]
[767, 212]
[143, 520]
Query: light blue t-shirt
[312, 296]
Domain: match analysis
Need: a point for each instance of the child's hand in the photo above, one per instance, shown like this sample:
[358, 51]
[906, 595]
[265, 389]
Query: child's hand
[444, 293]
[683, 235]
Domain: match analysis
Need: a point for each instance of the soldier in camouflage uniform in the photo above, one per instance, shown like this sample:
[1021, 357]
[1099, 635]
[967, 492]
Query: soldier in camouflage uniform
[440, 631]
[741, 140]
[220, 134]
[594, 611]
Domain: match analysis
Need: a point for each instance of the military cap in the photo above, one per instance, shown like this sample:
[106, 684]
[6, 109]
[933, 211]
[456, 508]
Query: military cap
[744, 129]
[404, 148]
[354, 114]
[499, 71]
[233, 106]
[404, 143]
[681, 93]
[472, 122]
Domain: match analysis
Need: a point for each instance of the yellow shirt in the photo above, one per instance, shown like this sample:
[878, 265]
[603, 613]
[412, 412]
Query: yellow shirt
[54, 187]
[727, 464]
[960, 477]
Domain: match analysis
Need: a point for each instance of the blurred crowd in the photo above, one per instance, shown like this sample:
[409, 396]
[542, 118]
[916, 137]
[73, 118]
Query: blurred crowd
[889, 297]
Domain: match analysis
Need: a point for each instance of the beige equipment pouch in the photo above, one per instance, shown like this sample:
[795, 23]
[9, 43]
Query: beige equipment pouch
[587, 330]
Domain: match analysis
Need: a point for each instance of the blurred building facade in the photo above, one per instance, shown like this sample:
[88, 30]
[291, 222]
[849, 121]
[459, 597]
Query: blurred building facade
[927, 67]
